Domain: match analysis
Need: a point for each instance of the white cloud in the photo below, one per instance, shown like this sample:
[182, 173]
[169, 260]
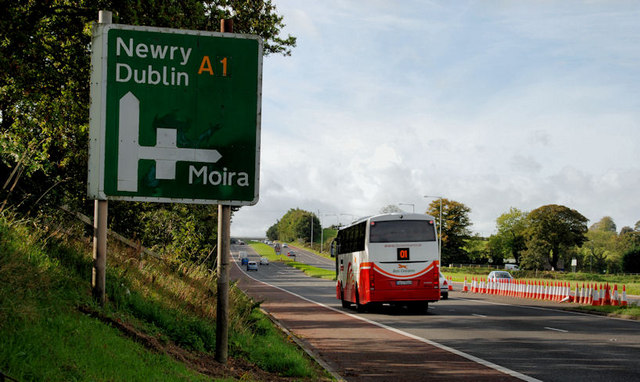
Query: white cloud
[494, 105]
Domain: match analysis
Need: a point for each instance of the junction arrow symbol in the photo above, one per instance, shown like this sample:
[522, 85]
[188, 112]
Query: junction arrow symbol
[165, 152]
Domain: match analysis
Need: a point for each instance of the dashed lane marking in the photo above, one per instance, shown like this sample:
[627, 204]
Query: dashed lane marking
[470, 357]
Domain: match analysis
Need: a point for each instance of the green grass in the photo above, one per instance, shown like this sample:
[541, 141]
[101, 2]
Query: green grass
[268, 252]
[632, 311]
[44, 334]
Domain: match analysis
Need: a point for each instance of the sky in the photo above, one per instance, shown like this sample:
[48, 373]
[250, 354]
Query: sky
[494, 104]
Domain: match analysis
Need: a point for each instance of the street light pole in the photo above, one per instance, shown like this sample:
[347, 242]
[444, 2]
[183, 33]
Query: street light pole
[413, 206]
[352, 216]
[439, 227]
[322, 229]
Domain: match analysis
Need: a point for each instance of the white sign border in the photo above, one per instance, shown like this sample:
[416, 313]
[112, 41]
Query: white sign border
[98, 111]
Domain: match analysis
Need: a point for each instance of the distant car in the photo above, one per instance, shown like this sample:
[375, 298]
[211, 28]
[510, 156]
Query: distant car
[244, 261]
[499, 276]
[285, 245]
[264, 261]
[511, 267]
[444, 287]
[291, 254]
[252, 266]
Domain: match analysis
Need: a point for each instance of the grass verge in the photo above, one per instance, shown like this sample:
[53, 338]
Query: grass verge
[158, 324]
[268, 252]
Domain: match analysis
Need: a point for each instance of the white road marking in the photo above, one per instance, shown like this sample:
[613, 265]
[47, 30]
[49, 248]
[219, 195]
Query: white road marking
[470, 357]
[478, 315]
[557, 330]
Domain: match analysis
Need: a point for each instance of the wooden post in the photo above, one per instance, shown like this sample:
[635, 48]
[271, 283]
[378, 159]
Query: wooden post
[224, 242]
[98, 274]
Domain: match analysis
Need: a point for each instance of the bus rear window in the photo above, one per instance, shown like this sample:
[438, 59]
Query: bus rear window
[401, 231]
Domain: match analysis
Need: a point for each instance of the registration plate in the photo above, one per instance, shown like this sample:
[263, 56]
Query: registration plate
[403, 282]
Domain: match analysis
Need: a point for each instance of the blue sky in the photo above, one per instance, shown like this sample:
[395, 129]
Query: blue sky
[495, 104]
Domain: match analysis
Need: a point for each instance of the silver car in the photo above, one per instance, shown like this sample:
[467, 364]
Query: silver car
[252, 266]
[499, 276]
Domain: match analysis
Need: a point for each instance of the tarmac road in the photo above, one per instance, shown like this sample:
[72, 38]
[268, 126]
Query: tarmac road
[526, 339]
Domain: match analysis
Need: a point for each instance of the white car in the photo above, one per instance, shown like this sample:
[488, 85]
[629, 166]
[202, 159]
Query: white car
[499, 276]
[252, 266]
[264, 261]
[444, 287]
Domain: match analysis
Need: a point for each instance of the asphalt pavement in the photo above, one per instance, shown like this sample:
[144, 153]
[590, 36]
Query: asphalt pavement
[528, 339]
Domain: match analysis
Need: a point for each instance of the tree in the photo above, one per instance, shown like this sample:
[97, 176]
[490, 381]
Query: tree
[628, 239]
[625, 230]
[391, 208]
[44, 101]
[478, 250]
[45, 60]
[598, 252]
[605, 224]
[272, 232]
[552, 233]
[455, 229]
[604, 248]
[509, 240]
[631, 260]
[296, 224]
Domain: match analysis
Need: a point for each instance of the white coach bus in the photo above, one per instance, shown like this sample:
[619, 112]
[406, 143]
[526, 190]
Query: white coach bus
[389, 258]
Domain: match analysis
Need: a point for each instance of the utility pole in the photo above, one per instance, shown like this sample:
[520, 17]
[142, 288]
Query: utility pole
[311, 215]
[224, 243]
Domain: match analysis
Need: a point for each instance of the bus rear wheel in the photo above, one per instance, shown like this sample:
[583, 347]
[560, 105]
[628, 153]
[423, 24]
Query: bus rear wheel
[345, 304]
[359, 307]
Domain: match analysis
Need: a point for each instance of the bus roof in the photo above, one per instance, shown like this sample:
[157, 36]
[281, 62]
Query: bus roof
[392, 216]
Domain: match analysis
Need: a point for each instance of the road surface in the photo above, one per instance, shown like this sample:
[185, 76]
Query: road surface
[527, 339]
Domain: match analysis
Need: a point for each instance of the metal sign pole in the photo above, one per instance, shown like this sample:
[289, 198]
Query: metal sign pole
[98, 274]
[222, 311]
[224, 243]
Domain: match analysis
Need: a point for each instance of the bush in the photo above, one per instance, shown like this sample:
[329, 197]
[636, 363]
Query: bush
[631, 260]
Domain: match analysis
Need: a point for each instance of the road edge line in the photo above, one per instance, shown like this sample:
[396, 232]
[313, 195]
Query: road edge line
[470, 357]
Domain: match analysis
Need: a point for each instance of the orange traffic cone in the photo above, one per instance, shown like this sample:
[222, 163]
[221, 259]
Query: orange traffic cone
[623, 302]
[596, 296]
[539, 290]
[465, 287]
[614, 299]
[450, 283]
[607, 296]
[578, 294]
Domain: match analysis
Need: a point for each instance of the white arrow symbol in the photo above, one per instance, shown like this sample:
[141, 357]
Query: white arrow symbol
[165, 152]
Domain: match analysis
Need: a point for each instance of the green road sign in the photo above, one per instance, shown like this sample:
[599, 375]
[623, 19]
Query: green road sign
[175, 115]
